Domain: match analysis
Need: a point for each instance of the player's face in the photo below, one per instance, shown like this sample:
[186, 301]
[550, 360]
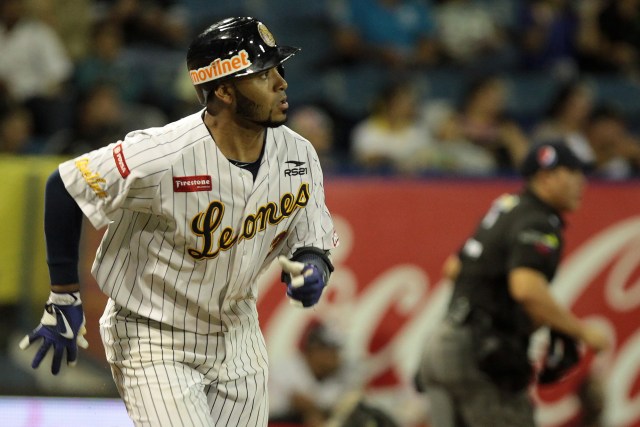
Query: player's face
[567, 186]
[261, 99]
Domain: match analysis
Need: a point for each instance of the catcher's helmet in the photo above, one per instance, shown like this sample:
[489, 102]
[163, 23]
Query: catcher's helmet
[233, 47]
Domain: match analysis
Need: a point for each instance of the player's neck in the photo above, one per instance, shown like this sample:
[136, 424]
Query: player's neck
[235, 142]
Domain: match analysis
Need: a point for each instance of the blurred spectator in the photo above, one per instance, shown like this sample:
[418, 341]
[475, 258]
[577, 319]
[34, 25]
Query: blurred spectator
[16, 131]
[161, 23]
[155, 33]
[615, 151]
[34, 67]
[105, 64]
[393, 136]
[396, 33]
[547, 37]
[567, 118]
[70, 19]
[610, 36]
[458, 154]
[470, 36]
[481, 120]
[185, 99]
[317, 126]
[102, 118]
[306, 387]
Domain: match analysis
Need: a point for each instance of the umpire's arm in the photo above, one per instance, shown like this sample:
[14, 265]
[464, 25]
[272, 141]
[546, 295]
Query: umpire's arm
[530, 288]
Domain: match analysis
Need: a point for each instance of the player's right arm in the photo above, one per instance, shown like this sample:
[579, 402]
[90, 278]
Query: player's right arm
[62, 325]
[96, 184]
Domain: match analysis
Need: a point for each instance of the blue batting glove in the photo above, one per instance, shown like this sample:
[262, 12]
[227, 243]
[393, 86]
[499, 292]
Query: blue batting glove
[305, 282]
[62, 326]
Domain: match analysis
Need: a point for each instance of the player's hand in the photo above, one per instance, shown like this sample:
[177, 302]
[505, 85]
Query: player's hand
[305, 282]
[62, 327]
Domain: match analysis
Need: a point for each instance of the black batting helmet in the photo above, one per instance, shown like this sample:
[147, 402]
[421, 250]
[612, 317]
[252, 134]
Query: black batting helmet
[233, 47]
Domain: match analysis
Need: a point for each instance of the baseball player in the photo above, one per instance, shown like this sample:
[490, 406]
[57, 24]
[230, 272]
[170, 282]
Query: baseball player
[194, 211]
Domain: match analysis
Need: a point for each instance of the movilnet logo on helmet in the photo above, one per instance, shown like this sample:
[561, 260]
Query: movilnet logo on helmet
[189, 184]
[220, 68]
[547, 156]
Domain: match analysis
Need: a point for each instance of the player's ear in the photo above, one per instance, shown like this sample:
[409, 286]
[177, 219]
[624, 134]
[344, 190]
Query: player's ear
[224, 93]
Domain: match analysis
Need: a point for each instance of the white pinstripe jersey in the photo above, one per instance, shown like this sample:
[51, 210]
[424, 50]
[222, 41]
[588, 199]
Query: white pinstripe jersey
[189, 232]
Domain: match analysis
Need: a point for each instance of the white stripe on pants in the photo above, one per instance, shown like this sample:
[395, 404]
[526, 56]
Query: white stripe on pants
[170, 377]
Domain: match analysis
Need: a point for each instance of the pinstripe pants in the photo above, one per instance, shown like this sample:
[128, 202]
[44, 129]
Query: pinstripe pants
[169, 377]
[459, 391]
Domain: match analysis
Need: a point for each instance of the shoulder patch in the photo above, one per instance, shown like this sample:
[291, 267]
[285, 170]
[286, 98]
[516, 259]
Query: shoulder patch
[544, 243]
[121, 163]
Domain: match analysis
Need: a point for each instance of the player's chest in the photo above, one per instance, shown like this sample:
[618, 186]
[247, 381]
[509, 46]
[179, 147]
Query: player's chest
[231, 193]
[215, 210]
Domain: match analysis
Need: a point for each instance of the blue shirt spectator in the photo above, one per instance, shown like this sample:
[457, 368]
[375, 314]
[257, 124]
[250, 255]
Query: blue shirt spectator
[396, 32]
[548, 36]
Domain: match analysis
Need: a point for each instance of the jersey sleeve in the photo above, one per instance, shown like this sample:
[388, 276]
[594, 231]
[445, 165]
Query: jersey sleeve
[534, 243]
[314, 226]
[123, 175]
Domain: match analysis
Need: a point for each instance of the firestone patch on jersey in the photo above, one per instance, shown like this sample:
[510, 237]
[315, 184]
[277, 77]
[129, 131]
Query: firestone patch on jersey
[188, 184]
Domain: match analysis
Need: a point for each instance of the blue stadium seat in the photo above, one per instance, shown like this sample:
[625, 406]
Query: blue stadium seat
[352, 90]
[203, 13]
[530, 94]
[620, 93]
[446, 84]
[291, 11]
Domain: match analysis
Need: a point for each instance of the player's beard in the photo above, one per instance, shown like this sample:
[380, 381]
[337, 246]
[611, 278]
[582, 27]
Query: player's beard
[249, 110]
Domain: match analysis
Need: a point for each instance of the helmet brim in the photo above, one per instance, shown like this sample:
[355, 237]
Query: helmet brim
[268, 60]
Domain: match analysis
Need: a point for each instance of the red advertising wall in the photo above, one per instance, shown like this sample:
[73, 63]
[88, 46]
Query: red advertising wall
[387, 294]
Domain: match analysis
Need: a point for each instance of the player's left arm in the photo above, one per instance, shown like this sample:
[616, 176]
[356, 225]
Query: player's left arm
[306, 263]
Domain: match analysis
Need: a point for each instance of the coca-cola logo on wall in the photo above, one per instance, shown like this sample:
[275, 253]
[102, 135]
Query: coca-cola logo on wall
[387, 294]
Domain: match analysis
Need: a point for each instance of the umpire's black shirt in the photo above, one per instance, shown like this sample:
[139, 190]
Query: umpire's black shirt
[519, 230]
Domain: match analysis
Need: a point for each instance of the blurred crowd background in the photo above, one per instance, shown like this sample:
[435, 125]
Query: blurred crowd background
[411, 87]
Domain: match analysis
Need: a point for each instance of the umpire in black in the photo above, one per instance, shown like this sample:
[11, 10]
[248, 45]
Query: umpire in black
[475, 369]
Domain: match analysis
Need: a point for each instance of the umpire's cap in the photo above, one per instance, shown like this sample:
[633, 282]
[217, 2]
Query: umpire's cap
[233, 47]
[550, 155]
